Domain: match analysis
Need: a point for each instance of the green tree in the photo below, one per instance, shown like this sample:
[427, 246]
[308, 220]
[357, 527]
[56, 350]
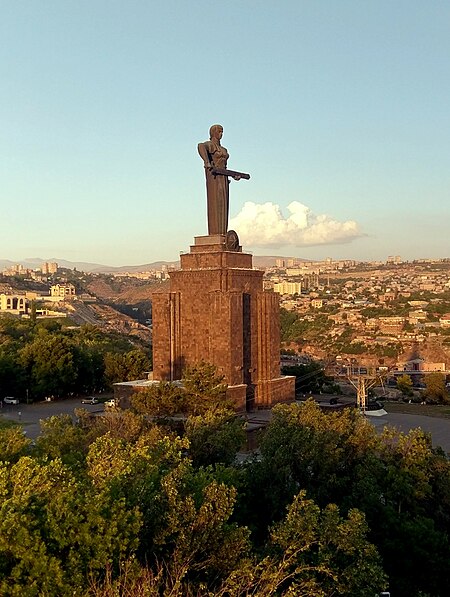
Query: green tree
[160, 400]
[47, 358]
[436, 392]
[55, 532]
[392, 478]
[13, 443]
[287, 320]
[185, 514]
[214, 436]
[49, 362]
[122, 424]
[405, 385]
[204, 388]
[126, 366]
[204, 544]
[308, 377]
[299, 329]
[61, 438]
[12, 328]
[312, 553]
[214, 432]
[304, 447]
[120, 505]
[90, 369]
[12, 374]
[33, 317]
[321, 553]
[408, 519]
[138, 363]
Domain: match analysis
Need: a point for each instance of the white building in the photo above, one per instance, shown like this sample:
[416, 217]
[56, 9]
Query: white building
[13, 303]
[62, 291]
[287, 287]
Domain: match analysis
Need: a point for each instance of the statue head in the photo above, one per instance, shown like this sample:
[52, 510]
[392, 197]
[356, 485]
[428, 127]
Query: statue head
[215, 131]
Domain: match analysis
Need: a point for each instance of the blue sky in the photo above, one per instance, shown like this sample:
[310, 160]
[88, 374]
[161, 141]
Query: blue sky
[339, 110]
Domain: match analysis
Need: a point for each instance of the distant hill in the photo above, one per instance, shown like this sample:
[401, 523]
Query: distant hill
[155, 265]
[36, 262]
[85, 266]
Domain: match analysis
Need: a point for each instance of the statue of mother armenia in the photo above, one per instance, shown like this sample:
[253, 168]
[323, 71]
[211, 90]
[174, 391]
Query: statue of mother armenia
[215, 158]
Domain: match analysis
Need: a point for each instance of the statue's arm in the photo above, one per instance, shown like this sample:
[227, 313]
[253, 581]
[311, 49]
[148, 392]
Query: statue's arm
[203, 150]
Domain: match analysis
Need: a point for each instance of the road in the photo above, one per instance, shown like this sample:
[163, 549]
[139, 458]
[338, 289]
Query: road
[29, 416]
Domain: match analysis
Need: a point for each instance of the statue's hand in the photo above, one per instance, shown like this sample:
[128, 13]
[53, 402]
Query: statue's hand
[208, 166]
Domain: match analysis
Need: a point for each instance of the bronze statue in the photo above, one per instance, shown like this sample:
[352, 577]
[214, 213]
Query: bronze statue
[215, 159]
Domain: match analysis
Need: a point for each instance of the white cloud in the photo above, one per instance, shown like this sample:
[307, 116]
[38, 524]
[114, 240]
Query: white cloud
[263, 225]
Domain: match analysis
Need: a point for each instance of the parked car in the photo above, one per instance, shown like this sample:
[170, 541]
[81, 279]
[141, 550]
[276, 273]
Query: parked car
[90, 400]
[10, 400]
[111, 402]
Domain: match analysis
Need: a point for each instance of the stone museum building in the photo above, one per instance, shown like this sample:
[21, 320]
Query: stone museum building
[217, 311]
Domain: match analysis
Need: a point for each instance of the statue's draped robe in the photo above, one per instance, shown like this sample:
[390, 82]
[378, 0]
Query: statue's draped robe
[217, 189]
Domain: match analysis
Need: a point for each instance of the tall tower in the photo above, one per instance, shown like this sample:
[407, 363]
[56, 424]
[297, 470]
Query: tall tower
[217, 311]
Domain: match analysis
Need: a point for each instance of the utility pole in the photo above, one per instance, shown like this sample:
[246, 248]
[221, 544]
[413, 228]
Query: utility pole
[362, 379]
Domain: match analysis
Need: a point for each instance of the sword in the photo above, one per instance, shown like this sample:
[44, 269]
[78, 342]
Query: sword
[232, 173]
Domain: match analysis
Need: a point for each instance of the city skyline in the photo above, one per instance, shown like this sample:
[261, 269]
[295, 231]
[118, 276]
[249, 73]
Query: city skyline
[339, 112]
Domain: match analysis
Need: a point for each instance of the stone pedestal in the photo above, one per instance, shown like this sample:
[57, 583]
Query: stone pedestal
[216, 311]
